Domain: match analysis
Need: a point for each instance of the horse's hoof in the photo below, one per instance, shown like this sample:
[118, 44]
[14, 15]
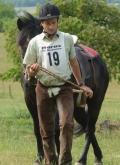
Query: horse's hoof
[98, 163]
[79, 163]
[37, 162]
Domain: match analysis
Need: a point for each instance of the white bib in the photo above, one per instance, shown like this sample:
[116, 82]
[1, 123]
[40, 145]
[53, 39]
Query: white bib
[52, 56]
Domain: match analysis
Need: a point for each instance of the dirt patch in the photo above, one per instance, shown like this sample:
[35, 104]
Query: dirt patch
[109, 125]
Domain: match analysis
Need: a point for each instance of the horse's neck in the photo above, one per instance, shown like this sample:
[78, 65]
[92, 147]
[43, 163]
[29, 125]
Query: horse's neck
[85, 64]
[23, 39]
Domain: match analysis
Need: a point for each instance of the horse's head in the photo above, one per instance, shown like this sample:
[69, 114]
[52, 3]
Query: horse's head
[29, 26]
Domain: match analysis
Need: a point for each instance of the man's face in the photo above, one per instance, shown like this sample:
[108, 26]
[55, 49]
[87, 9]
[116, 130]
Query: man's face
[50, 26]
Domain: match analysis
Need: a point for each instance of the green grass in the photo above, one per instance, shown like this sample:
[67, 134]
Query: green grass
[108, 141]
[111, 105]
[17, 141]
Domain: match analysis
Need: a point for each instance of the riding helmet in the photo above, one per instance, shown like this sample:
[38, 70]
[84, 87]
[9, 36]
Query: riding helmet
[49, 11]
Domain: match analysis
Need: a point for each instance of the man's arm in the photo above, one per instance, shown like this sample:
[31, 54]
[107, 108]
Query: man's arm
[30, 59]
[77, 74]
[76, 70]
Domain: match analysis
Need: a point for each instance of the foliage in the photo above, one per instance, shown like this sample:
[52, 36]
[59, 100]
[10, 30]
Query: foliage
[106, 41]
[101, 13]
[74, 27]
[12, 51]
[37, 9]
[95, 23]
[6, 11]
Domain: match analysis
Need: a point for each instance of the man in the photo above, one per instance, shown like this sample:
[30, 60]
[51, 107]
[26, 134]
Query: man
[54, 50]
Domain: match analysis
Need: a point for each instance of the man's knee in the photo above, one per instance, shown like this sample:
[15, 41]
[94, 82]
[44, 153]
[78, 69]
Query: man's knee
[67, 125]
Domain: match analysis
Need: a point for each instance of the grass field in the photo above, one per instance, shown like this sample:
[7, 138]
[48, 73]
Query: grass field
[17, 141]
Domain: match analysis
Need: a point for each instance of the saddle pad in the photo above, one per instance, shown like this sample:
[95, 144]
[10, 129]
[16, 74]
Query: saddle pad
[91, 52]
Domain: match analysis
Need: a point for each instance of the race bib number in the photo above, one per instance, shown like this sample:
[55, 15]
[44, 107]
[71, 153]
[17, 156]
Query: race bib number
[53, 58]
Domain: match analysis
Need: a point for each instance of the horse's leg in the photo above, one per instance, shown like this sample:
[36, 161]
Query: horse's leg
[83, 157]
[95, 145]
[30, 99]
[88, 120]
[96, 102]
[80, 116]
[97, 151]
[93, 113]
[90, 138]
[31, 105]
[96, 148]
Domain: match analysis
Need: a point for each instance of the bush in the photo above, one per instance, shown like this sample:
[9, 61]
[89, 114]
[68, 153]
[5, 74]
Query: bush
[12, 51]
[6, 11]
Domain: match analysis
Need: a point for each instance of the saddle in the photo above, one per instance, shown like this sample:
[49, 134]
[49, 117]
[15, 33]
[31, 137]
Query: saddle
[85, 57]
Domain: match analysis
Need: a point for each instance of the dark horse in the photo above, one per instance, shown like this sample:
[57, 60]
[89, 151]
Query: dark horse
[94, 74]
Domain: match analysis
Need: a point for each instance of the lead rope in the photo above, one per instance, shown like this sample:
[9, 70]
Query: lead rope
[81, 99]
[78, 90]
[61, 79]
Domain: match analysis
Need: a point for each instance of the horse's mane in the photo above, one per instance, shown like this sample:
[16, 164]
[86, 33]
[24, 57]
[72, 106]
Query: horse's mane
[27, 33]
[27, 30]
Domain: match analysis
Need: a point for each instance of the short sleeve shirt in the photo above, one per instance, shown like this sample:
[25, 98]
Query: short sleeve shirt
[52, 54]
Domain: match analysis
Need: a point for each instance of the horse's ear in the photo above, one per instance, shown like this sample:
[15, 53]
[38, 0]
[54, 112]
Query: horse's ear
[20, 24]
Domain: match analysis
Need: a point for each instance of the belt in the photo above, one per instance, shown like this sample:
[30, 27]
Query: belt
[53, 86]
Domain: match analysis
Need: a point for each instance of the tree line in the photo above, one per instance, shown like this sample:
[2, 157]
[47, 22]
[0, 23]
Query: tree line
[23, 3]
[96, 23]
[113, 1]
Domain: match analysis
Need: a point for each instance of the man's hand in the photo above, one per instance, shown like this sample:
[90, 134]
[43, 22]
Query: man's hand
[87, 91]
[32, 69]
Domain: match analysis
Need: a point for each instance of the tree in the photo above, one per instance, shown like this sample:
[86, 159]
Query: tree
[97, 29]
[101, 13]
[6, 12]
[98, 25]
[13, 52]
[106, 41]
